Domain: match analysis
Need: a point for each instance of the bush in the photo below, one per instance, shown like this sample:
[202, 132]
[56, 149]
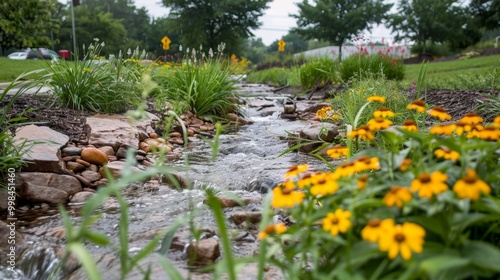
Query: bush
[358, 65]
[276, 76]
[319, 71]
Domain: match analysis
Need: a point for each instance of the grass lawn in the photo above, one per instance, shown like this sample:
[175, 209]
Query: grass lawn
[450, 69]
[10, 69]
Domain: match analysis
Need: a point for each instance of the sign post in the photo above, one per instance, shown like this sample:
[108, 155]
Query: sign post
[281, 45]
[166, 43]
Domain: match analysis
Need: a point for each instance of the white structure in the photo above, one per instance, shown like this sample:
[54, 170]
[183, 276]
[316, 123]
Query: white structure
[397, 51]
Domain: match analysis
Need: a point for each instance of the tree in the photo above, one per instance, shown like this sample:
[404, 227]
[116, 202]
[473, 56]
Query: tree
[211, 22]
[425, 21]
[337, 21]
[294, 43]
[26, 23]
[486, 12]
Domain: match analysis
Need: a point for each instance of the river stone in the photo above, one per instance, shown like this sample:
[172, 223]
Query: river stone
[246, 216]
[116, 168]
[235, 118]
[35, 193]
[93, 155]
[86, 182]
[203, 252]
[44, 156]
[91, 175]
[72, 151]
[81, 197]
[83, 162]
[107, 150]
[66, 183]
[74, 166]
[121, 153]
[4, 200]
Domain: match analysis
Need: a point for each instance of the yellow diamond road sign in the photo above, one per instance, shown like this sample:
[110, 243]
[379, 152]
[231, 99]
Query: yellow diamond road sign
[166, 42]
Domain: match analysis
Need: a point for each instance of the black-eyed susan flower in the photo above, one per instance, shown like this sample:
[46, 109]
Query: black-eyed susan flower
[410, 125]
[278, 228]
[327, 113]
[470, 186]
[306, 180]
[447, 154]
[428, 185]
[375, 229]
[405, 164]
[489, 133]
[345, 169]
[496, 122]
[337, 222]
[285, 196]
[402, 240]
[379, 124]
[362, 181]
[296, 170]
[461, 127]
[337, 151]
[442, 129]
[383, 112]
[474, 132]
[397, 196]
[376, 98]
[440, 113]
[363, 133]
[417, 105]
[471, 118]
[323, 185]
[365, 163]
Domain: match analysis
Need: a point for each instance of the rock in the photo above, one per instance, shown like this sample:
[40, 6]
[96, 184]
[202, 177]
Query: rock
[197, 122]
[313, 131]
[71, 158]
[174, 134]
[153, 135]
[86, 182]
[74, 166]
[108, 150]
[139, 158]
[4, 200]
[152, 143]
[121, 153]
[45, 155]
[289, 106]
[142, 135]
[9, 234]
[311, 108]
[261, 185]
[190, 132]
[88, 190]
[57, 232]
[72, 151]
[99, 183]
[81, 197]
[227, 202]
[176, 141]
[35, 193]
[143, 146]
[116, 169]
[174, 181]
[142, 153]
[91, 175]
[66, 183]
[93, 155]
[161, 140]
[239, 120]
[291, 117]
[242, 216]
[83, 162]
[93, 167]
[203, 252]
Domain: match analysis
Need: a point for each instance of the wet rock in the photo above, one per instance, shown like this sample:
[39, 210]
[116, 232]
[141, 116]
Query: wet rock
[93, 167]
[74, 166]
[83, 162]
[84, 181]
[324, 131]
[111, 130]
[260, 102]
[66, 183]
[175, 181]
[203, 252]
[311, 108]
[289, 106]
[153, 135]
[141, 153]
[8, 233]
[72, 151]
[242, 216]
[261, 185]
[99, 183]
[49, 195]
[139, 158]
[93, 155]
[108, 150]
[237, 119]
[116, 168]
[244, 237]
[57, 232]
[81, 197]
[121, 153]
[71, 158]
[176, 141]
[91, 175]
[45, 156]
[227, 202]
[291, 117]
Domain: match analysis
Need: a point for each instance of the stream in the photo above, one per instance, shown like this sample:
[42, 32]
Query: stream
[246, 165]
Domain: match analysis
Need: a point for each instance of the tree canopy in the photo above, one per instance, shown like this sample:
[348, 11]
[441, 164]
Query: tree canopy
[26, 23]
[486, 12]
[211, 22]
[337, 21]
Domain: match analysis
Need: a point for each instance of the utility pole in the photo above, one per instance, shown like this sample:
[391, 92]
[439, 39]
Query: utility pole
[73, 27]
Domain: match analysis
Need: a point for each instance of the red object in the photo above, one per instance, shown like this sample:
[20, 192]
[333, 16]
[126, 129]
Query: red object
[64, 54]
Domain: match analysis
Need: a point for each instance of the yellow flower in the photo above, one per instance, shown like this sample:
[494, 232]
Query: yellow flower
[489, 133]
[337, 222]
[383, 113]
[445, 129]
[402, 240]
[470, 186]
[496, 122]
[305, 181]
[447, 154]
[474, 132]
[429, 185]
[270, 229]
[284, 196]
[345, 169]
[405, 164]
[461, 127]
[379, 124]
[376, 98]
[375, 229]
[365, 163]
[327, 113]
[440, 113]
[323, 185]
[86, 69]
[337, 151]
[396, 196]
[362, 181]
[362, 133]
[471, 118]
[418, 105]
[410, 125]
[296, 170]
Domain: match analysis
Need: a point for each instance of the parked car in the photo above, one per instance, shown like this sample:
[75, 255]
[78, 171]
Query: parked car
[18, 55]
[35, 53]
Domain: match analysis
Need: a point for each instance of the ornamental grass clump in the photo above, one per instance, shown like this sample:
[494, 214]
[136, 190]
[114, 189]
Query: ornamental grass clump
[318, 72]
[360, 66]
[421, 203]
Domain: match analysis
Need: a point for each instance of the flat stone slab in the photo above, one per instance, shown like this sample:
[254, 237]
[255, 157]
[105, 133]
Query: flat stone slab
[44, 146]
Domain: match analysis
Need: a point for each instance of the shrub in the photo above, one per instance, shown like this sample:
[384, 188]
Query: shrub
[319, 71]
[357, 66]
[276, 76]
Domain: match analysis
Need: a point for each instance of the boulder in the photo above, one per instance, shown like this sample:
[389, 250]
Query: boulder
[96, 156]
[312, 132]
[36, 193]
[66, 183]
[43, 144]
[91, 175]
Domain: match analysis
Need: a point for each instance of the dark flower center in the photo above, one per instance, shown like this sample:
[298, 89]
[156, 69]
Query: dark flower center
[399, 237]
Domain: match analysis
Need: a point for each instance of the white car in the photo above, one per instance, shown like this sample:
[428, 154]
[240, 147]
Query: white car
[18, 55]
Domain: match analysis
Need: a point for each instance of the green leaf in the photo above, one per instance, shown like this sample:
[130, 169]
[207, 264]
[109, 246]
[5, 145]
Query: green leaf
[97, 238]
[441, 263]
[435, 224]
[169, 268]
[86, 259]
[483, 255]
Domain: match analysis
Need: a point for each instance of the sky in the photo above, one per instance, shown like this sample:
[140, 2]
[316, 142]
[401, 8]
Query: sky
[276, 21]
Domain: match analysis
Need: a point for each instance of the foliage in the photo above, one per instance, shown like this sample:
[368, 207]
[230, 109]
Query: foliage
[294, 43]
[25, 23]
[337, 21]
[318, 71]
[486, 12]
[96, 85]
[277, 76]
[202, 87]
[211, 22]
[437, 50]
[359, 65]
[416, 205]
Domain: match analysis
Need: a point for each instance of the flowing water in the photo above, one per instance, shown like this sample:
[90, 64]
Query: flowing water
[248, 159]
